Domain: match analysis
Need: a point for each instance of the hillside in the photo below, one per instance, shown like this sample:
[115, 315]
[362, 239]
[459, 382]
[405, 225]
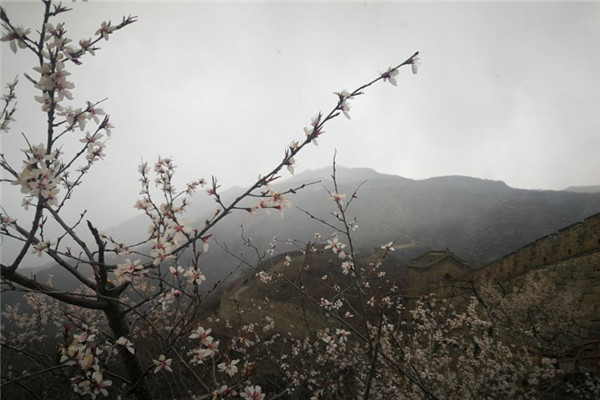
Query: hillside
[478, 220]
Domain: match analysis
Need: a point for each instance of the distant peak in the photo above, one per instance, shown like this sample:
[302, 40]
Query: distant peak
[467, 182]
[583, 189]
[343, 174]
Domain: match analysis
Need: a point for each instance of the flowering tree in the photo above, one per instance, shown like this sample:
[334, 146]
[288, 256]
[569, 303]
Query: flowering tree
[363, 337]
[130, 319]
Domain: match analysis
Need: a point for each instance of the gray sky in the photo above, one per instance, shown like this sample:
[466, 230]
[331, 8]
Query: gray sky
[505, 91]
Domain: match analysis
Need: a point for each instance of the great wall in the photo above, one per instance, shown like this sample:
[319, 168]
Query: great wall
[571, 242]
[569, 257]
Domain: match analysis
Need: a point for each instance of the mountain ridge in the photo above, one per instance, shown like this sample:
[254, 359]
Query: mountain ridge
[480, 220]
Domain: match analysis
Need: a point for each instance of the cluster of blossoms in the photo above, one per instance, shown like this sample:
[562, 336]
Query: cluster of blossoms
[164, 169]
[162, 249]
[167, 231]
[208, 346]
[179, 231]
[39, 177]
[331, 305]
[127, 270]
[272, 245]
[54, 83]
[264, 276]
[194, 275]
[271, 199]
[166, 299]
[9, 108]
[332, 342]
[288, 159]
[313, 131]
[83, 353]
[343, 105]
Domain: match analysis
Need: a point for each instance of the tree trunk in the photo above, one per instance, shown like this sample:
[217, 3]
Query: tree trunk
[120, 327]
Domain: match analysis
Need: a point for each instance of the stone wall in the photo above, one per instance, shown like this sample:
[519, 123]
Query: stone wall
[572, 242]
[583, 274]
[570, 258]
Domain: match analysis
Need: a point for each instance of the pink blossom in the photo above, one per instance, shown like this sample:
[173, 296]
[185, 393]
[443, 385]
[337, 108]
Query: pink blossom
[347, 266]
[252, 393]
[94, 112]
[289, 163]
[99, 384]
[390, 75]
[96, 151]
[343, 105]
[85, 45]
[46, 102]
[6, 221]
[342, 335]
[90, 139]
[143, 204]
[126, 270]
[200, 354]
[313, 132]
[229, 368]
[194, 276]
[105, 30]
[414, 64]
[200, 333]
[40, 247]
[179, 231]
[176, 271]
[336, 247]
[388, 247]
[162, 363]
[338, 197]
[205, 244]
[16, 38]
[161, 250]
[123, 341]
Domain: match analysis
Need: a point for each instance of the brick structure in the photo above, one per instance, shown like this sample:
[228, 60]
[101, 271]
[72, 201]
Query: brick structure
[570, 258]
[433, 271]
[442, 263]
[572, 242]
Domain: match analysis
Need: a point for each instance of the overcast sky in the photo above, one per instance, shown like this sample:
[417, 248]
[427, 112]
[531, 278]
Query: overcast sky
[505, 91]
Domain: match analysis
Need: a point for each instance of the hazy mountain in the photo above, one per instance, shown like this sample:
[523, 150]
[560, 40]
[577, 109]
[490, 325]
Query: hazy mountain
[479, 220]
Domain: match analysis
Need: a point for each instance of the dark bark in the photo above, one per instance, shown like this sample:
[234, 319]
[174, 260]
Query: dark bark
[120, 327]
[34, 285]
